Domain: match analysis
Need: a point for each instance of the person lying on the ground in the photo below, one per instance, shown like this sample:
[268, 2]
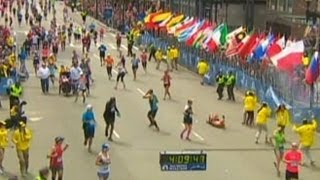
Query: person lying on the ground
[216, 121]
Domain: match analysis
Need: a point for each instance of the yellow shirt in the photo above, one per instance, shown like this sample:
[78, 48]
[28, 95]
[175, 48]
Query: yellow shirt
[263, 115]
[250, 103]
[4, 138]
[283, 118]
[158, 55]
[306, 133]
[169, 54]
[175, 53]
[22, 140]
[203, 68]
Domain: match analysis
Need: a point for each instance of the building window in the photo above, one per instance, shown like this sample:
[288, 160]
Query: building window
[281, 5]
[289, 5]
[273, 4]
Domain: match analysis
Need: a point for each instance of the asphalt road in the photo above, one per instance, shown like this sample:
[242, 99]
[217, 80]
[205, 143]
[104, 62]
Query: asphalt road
[232, 153]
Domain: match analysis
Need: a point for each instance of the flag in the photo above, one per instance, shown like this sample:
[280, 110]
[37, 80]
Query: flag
[260, 52]
[175, 20]
[231, 35]
[313, 70]
[276, 47]
[185, 27]
[165, 22]
[246, 49]
[173, 28]
[290, 57]
[223, 35]
[190, 41]
[187, 34]
[235, 43]
[214, 40]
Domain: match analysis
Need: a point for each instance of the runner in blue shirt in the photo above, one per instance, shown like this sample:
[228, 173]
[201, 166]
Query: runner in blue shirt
[153, 101]
[102, 53]
[88, 125]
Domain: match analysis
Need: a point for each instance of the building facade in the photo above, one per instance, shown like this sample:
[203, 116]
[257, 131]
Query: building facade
[289, 16]
[235, 13]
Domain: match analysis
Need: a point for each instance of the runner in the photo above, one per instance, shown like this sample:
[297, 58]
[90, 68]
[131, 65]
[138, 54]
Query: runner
[187, 120]
[121, 73]
[22, 138]
[262, 121]
[88, 125]
[166, 84]
[135, 65]
[56, 158]
[81, 88]
[293, 159]
[102, 53]
[103, 162]
[4, 141]
[110, 112]
[280, 141]
[144, 60]
[118, 41]
[109, 64]
[153, 101]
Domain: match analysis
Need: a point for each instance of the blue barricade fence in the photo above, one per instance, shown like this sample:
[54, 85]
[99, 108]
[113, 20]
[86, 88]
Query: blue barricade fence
[269, 88]
[5, 83]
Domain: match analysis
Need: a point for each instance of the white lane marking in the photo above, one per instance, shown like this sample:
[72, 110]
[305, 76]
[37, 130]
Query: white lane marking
[112, 46]
[115, 71]
[35, 119]
[124, 47]
[26, 32]
[140, 91]
[116, 134]
[195, 134]
[71, 45]
[136, 48]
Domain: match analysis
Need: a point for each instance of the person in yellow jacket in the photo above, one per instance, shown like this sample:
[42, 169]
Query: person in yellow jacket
[282, 116]
[22, 138]
[4, 142]
[263, 116]
[159, 57]
[203, 68]
[250, 102]
[307, 133]
[175, 57]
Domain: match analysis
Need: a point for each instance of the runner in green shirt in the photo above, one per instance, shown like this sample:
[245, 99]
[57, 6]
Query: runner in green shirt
[279, 142]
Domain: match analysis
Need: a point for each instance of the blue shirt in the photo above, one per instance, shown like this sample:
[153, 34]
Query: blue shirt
[153, 103]
[102, 49]
[88, 117]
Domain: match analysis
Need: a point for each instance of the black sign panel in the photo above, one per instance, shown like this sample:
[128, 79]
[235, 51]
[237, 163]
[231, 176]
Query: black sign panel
[183, 161]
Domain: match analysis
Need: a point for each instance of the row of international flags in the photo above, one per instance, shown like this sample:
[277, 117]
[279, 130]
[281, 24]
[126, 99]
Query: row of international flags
[252, 46]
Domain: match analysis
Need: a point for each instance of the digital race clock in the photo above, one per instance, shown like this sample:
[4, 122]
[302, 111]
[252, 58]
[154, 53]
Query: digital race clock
[183, 161]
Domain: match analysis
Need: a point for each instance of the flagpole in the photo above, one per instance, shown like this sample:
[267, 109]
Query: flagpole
[311, 95]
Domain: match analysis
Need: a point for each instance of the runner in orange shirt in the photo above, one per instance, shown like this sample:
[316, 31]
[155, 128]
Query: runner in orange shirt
[109, 64]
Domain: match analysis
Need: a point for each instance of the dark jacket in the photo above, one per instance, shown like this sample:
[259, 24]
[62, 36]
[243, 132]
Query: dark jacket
[110, 111]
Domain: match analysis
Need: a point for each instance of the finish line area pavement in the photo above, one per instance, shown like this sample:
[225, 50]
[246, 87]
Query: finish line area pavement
[231, 153]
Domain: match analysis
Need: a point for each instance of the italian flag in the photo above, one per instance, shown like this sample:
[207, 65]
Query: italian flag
[218, 38]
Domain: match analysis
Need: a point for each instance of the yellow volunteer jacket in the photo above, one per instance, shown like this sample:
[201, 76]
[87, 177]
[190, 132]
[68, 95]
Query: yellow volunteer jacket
[250, 103]
[306, 133]
[263, 115]
[175, 53]
[203, 68]
[159, 55]
[283, 117]
[4, 138]
[169, 54]
[22, 140]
